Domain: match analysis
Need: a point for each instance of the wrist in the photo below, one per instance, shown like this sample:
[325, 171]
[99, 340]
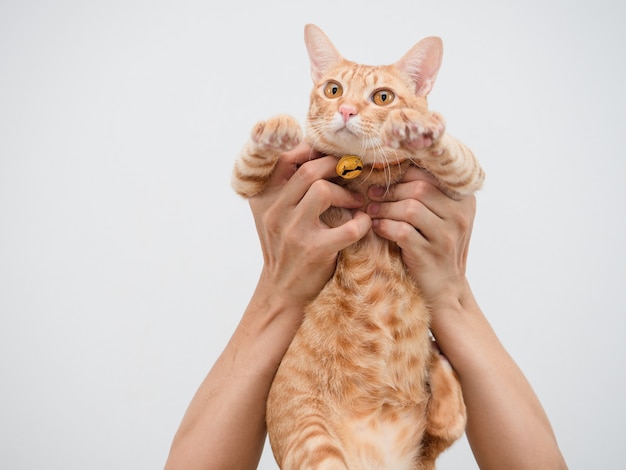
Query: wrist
[458, 324]
[277, 300]
[454, 299]
[267, 327]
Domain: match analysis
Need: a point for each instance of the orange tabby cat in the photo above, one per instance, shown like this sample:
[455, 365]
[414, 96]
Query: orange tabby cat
[362, 386]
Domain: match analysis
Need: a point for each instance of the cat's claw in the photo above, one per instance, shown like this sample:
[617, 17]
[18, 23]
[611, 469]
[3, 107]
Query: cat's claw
[280, 132]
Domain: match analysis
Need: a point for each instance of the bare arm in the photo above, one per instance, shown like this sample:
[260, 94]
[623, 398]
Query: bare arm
[507, 426]
[224, 426]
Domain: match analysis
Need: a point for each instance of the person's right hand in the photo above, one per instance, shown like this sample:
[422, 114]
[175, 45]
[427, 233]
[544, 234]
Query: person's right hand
[299, 250]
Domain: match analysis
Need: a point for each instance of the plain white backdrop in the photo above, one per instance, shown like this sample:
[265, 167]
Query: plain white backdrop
[126, 260]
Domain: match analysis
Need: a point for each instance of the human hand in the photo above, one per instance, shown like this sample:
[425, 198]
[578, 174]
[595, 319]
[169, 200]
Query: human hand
[299, 250]
[432, 230]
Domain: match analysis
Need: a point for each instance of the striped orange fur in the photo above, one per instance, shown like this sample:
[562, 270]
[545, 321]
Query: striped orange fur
[361, 385]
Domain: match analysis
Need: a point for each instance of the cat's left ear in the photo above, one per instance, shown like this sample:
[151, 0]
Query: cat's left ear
[322, 52]
[422, 63]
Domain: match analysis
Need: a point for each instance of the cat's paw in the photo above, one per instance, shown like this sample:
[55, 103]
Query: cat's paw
[280, 133]
[411, 129]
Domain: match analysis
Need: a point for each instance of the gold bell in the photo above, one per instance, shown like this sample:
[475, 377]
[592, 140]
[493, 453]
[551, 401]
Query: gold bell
[349, 167]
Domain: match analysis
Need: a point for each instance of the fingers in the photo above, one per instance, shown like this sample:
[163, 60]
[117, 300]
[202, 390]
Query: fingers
[405, 235]
[295, 173]
[350, 232]
[408, 220]
[323, 194]
[415, 211]
[290, 161]
[306, 175]
[299, 192]
[415, 185]
[410, 211]
[426, 210]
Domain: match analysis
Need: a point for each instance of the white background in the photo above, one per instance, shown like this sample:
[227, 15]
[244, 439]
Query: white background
[126, 260]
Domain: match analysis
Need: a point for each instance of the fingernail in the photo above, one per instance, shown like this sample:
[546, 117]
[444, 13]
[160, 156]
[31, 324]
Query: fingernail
[373, 208]
[359, 198]
[377, 191]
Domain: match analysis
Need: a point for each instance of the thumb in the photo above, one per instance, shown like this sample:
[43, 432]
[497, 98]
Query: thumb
[350, 232]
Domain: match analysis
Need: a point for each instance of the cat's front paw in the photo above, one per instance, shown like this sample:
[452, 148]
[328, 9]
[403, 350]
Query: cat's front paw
[259, 156]
[280, 133]
[411, 129]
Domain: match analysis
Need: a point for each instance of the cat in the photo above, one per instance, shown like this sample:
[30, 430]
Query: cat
[362, 385]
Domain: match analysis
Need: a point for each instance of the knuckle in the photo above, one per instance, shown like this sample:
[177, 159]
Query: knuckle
[307, 171]
[404, 234]
[352, 231]
[413, 210]
[421, 188]
[320, 190]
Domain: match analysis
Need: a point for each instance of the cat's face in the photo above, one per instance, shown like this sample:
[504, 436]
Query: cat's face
[349, 105]
[350, 102]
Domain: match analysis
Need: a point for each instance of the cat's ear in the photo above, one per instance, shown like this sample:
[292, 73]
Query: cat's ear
[422, 63]
[321, 51]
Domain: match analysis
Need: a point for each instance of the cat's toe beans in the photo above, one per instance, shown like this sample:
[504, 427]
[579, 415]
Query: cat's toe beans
[393, 141]
[290, 141]
[280, 133]
[437, 152]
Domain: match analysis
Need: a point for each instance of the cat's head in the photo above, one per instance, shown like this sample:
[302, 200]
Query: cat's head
[350, 101]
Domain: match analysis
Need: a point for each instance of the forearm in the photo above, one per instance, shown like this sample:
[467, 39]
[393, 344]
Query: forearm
[507, 426]
[224, 426]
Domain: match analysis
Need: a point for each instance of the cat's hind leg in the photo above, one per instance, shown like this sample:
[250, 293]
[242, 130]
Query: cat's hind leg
[446, 414]
[258, 158]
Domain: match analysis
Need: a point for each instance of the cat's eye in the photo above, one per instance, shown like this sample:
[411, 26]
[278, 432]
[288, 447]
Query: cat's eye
[383, 97]
[333, 90]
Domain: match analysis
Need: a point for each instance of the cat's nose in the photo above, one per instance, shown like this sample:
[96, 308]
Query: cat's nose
[347, 111]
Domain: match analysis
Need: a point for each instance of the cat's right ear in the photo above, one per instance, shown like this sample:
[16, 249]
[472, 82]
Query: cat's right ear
[422, 64]
[322, 52]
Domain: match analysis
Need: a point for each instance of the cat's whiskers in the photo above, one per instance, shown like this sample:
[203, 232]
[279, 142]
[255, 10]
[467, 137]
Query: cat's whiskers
[317, 128]
[381, 152]
[367, 146]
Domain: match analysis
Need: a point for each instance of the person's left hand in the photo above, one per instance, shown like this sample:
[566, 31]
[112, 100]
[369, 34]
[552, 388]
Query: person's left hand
[432, 230]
